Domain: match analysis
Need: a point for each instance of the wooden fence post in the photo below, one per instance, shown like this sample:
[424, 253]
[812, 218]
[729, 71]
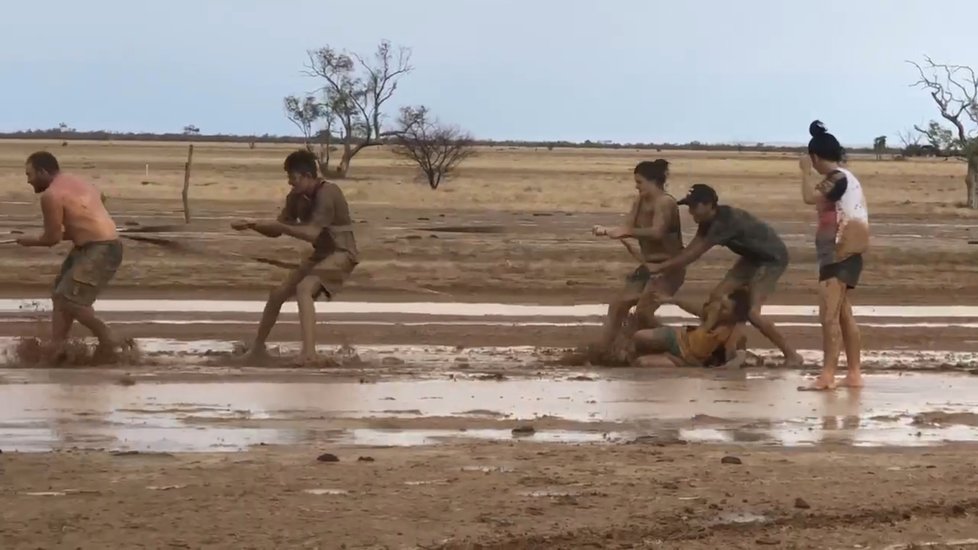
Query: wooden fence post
[186, 183]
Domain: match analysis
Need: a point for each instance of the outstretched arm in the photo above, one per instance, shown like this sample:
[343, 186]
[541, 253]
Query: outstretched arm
[53, 212]
[322, 217]
[306, 232]
[696, 248]
[621, 231]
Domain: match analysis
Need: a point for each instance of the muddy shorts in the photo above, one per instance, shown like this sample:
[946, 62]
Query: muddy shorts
[332, 272]
[673, 340]
[87, 271]
[760, 278]
[847, 271]
[666, 283]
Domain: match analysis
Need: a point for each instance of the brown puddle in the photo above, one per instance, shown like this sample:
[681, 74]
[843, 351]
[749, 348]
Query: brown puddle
[39, 414]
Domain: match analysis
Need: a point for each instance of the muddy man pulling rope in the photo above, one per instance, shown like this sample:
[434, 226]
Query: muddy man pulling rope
[73, 210]
[316, 212]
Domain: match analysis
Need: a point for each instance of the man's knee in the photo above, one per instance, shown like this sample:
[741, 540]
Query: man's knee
[721, 290]
[280, 294]
[309, 287]
[621, 304]
[63, 305]
[648, 301]
[754, 314]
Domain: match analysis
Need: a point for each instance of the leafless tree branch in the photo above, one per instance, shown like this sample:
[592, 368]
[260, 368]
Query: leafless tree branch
[436, 148]
[355, 91]
[954, 88]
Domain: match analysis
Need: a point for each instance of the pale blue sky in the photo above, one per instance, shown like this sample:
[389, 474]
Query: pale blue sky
[624, 70]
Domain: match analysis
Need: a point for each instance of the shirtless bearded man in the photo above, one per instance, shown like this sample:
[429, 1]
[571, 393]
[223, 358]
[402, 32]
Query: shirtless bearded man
[654, 222]
[316, 212]
[72, 209]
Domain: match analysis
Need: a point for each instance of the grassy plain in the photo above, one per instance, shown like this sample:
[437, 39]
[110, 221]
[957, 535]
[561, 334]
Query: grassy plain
[540, 204]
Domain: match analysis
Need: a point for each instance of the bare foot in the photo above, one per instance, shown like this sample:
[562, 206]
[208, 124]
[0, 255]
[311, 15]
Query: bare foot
[793, 361]
[595, 353]
[822, 383]
[257, 356]
[106, 353]
[56, 354]
[307, 361]
[851, 381]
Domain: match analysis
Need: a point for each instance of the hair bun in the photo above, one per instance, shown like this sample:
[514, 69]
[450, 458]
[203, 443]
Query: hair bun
[816, 128]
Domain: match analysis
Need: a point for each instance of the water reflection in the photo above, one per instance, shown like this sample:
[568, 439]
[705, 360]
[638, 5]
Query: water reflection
[757, 409]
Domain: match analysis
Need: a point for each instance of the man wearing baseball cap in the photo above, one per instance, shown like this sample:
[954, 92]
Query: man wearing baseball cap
[763, 256]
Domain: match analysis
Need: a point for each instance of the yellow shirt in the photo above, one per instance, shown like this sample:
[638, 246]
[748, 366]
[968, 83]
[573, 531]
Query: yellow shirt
[697, 345]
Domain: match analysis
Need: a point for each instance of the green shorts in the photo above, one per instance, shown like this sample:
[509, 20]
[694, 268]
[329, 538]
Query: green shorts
[760, 278]
[87, 271]
[673, 340]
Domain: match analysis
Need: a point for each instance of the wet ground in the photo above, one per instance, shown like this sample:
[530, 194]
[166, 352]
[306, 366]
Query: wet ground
[43, 409]
[184, 393]
[457, 426]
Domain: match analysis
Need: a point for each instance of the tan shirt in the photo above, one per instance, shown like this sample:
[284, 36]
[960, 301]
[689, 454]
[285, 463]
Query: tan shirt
[326, 209]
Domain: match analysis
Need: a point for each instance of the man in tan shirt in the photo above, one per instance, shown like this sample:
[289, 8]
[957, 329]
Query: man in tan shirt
[73, 211]
[315, 211]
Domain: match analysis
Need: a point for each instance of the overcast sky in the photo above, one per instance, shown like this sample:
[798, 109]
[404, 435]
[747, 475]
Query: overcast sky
[623, 70]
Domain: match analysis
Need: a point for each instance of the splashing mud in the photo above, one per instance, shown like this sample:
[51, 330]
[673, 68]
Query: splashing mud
[31, 352]
[619, 354]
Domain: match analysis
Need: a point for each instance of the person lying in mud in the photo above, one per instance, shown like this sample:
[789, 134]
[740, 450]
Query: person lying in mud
[654, 222]
[718, 341]
[73, 211]
[763, 257]
[316, 212]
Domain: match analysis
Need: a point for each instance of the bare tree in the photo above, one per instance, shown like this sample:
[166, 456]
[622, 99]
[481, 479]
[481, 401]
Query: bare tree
[315, 121]
[940, 139]
[354, 93]
[879, 146]
[954, 89]
[911, 143]
[436, 148]
[909, 138]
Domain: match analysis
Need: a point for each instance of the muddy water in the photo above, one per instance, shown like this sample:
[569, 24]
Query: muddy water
[459, 308]
[39, 414]
[435, 360]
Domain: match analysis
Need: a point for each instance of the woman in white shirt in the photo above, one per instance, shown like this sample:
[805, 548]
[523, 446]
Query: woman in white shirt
[841, 238]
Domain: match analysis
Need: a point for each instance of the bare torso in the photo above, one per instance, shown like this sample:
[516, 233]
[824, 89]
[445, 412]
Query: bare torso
[85, 217]
[645, 211]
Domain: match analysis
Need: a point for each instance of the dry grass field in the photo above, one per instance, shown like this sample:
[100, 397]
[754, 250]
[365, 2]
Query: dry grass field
[540, 203]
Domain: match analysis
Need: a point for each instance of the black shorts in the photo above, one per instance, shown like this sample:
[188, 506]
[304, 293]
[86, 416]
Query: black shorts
[847, 271]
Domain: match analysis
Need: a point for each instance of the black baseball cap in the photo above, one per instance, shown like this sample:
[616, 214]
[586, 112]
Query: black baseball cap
[699, 193]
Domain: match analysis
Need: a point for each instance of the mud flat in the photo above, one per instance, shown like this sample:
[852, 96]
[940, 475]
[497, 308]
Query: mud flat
[45, 410]
[739, 460]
